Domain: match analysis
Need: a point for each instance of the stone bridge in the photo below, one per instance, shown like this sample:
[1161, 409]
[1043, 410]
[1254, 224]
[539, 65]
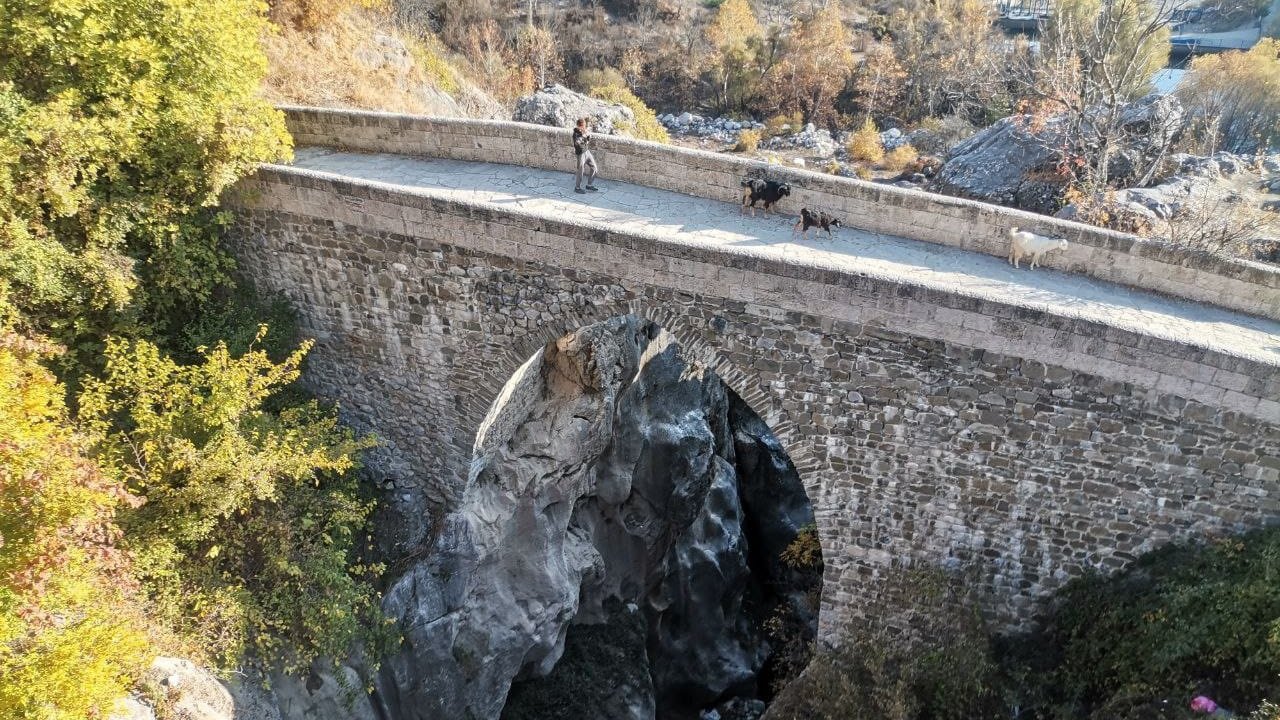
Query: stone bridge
[940, 406]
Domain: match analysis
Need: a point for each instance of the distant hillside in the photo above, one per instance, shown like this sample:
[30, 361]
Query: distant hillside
[350, 55]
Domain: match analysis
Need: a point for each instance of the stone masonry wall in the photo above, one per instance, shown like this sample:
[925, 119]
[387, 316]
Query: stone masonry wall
[1125, 259]
[928, 428]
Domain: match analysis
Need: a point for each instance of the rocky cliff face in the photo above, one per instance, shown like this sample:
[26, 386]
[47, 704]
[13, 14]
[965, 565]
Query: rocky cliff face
[623, 499]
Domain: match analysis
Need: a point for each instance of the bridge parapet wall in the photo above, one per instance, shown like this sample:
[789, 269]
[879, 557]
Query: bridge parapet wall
[1246, 287]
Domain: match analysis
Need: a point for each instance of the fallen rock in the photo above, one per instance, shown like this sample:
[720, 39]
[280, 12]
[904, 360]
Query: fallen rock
[189, 692]
[558, 106]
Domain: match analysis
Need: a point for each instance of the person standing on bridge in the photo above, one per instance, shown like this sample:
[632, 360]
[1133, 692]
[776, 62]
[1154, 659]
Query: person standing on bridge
[586, 161]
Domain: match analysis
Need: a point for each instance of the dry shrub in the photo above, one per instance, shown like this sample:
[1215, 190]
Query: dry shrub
[1104, 210]
[313, 14]
[832, 167]
[942, 133]
[748, 141]
[863, 172]
[1223, 224]
[927, 165]
[588, 78]
[942, 667]
[361, 59]
[646, 125]
[780, 124]
[865, 145]
[897, 159]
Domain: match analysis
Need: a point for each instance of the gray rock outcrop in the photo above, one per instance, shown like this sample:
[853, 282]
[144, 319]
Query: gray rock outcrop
[999, 163]
[605, 514]
[190, 692]
[558, 106]
[1009, 162]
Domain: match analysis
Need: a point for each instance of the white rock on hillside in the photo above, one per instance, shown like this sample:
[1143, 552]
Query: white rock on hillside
[558, 106]
[193, 693]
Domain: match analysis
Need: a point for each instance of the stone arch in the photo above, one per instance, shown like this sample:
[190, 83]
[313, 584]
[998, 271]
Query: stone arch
[766, 468]
[744, 383]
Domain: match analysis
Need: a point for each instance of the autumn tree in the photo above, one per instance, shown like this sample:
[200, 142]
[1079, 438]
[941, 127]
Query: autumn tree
[243, 542]
[121, 122]
[1097, 57]
[72, 636]
[942, 58]
[1233, 98]
[734, 36]
[814, 65]
[880, 81]
[536, 49]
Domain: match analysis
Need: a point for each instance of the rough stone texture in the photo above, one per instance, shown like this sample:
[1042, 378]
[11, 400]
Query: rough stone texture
[558, 106]
[1001, 163]
[926, 426]
[995, 164]
[604, 673]
[193, 693]
[874, 208]
[613, 484]
[664, 215]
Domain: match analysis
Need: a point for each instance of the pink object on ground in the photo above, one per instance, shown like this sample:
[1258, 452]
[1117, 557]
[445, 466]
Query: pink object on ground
[1200, 703]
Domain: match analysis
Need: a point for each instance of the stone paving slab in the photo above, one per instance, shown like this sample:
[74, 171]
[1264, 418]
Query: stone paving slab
[688, 220]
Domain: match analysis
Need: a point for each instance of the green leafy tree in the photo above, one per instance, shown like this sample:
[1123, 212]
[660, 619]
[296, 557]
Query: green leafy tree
[121, 121]
[72, 637]
[1181, 620]
[251, 517]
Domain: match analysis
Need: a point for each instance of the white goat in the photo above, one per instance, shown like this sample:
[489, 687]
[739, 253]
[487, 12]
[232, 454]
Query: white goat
[1023, 243]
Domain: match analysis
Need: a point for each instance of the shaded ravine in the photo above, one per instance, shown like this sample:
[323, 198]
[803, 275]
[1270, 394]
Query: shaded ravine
[618, 552]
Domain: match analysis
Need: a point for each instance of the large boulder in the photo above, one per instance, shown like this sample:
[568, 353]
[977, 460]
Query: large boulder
[1012, 162]
[187, 691]
[558, 106]
[1002, 164]
[190, 692]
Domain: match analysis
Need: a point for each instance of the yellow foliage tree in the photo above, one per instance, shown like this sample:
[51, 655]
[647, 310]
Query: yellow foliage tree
[1234, 98]
[72, 638]
[815, 65]
[228, 487]
[121, 122]
[734, 36]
